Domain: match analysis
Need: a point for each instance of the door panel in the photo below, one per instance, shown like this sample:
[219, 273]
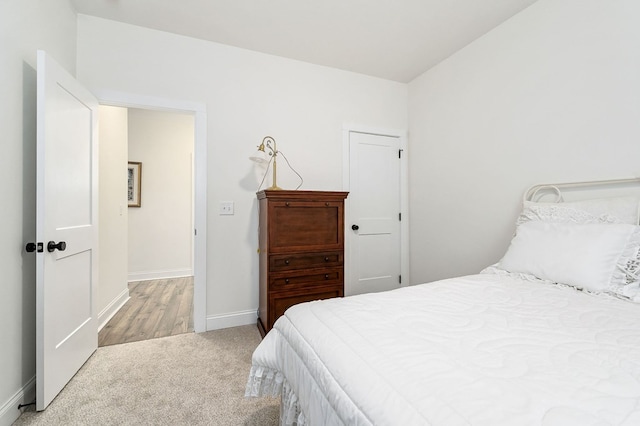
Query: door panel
[71, 127]
[374, 176]
[66, 321]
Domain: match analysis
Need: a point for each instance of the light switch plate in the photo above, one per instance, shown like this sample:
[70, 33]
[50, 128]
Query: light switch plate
[226, 208]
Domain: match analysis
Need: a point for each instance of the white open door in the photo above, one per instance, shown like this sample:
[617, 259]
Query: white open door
[66, 265]
[374, 204]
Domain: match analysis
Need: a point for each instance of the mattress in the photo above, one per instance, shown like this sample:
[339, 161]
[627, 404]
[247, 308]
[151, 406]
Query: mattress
[484, 349]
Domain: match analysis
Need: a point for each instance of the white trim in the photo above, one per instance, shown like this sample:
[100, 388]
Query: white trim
[159, 275]
[112, 308]
[346, 186]
[9, 412]
[131, 100]
[233, 319]
[404, 194]
[200, 224]
[404, 208]
[199, 110]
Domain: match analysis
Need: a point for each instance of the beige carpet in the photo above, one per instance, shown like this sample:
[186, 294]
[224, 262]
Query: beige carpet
[188, 379]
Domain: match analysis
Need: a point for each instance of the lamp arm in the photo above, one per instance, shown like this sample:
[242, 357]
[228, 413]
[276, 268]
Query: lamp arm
[268, 141]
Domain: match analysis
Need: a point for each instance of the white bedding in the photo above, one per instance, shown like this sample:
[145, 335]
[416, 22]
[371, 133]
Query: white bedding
[478, 350]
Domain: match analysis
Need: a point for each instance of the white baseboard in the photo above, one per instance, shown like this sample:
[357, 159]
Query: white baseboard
[9, 412]
[112, 308]
[159, 275]
[234, 319]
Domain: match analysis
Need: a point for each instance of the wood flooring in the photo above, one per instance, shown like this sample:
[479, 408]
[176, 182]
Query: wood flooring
[156, 308]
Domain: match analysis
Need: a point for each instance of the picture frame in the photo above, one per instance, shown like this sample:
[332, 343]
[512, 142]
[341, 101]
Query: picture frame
[134, 183]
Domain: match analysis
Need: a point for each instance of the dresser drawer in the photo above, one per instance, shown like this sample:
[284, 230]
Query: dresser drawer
[306, 278]
[280, 302]
[286, 262]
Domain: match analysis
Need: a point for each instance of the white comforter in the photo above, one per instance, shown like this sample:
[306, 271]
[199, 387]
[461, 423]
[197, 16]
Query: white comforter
[476, 350]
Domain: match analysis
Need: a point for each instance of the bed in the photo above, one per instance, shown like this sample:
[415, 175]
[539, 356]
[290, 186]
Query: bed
[549, 335]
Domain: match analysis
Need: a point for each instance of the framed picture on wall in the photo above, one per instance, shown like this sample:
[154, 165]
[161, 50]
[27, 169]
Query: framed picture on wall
[134, 183]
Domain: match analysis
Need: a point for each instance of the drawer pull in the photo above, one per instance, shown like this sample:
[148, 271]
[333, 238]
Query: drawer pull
[326, 276]
[286, 204]
[286, 262]
[326, 204]
[326, 259]
[286, 280]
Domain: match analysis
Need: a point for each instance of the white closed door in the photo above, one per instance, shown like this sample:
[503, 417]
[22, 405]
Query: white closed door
[66, 265]
[374, 213]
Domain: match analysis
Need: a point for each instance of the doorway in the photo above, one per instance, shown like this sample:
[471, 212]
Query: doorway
[199, 161]
[150, 245]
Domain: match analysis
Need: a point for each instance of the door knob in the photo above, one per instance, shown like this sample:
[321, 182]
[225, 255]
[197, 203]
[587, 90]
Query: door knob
[355, 227]
[52, 246]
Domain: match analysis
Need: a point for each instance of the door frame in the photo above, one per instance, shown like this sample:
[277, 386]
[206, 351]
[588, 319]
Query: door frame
[404, 195]
[199, 112]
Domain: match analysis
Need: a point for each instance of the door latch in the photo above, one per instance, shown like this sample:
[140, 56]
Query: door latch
[31, 247]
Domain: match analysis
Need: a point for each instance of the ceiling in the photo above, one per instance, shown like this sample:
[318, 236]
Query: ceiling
[391, 39]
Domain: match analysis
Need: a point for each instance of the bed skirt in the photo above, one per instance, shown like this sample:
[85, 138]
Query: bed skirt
[268, 382]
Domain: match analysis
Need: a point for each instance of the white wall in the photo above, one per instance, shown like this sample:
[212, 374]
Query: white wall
[25, 26]
[112, 286]
[552, 94]
[161, 230]
[248, 96]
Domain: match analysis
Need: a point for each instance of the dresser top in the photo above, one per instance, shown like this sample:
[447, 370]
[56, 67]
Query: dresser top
[302, 195]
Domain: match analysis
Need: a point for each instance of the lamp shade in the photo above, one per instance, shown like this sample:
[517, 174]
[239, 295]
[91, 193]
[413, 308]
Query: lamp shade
[260, 157]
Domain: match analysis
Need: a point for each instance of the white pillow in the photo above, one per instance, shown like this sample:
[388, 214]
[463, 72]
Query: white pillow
[601, 210]
[600, 258]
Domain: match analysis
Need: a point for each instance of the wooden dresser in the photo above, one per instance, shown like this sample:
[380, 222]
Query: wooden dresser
[301, 250]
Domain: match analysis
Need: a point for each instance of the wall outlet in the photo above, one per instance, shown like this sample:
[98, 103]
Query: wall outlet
[226, 207]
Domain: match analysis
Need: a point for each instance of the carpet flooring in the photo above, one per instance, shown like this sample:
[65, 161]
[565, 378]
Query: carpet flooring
[188, 379]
